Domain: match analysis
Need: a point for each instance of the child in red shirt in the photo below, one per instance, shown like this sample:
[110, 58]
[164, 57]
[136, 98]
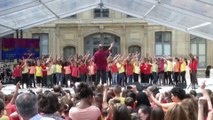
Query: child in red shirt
[142, 70]
[147, 71]
[83, 71]
[17, 73]
[75, 73]
[129, 71]
[91, 72]
[114, 72]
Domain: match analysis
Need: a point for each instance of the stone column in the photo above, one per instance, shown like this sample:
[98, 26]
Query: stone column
[123, 41]
[57, 41]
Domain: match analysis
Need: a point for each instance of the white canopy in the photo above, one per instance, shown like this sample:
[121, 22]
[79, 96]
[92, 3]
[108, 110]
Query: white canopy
[191, 16]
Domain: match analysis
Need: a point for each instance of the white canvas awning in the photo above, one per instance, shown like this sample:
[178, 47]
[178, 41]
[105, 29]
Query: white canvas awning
[191, 16]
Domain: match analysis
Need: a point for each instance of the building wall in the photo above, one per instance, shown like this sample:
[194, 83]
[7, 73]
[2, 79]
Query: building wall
[132, 31]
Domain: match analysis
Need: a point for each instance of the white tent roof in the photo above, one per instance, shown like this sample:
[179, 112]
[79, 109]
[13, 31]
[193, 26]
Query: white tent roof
[191, 16]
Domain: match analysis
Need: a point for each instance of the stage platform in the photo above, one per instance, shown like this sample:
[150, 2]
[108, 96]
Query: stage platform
[7, 89]
[209, 85]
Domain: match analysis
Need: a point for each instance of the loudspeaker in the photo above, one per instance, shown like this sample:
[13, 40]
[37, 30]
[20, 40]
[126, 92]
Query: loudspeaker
[181, 85]
[139, 86]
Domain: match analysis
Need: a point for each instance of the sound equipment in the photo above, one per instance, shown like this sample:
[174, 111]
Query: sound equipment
[181, 85]
[139, 86]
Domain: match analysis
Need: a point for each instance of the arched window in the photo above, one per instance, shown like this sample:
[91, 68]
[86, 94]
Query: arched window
[134, 48]
[91, 42]
[69, 51]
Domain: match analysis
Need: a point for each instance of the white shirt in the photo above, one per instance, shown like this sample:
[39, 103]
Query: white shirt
[39, 117]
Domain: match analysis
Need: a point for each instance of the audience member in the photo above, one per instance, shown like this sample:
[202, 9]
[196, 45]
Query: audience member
[27, 107]
[176, 112]
[144, 112]
[48, 105]
[157, 114]
[190, 105]
[121, 112]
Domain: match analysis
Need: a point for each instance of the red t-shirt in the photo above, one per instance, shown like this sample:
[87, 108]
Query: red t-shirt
[194, 64]
[134, 106]
[114, 68]
[129, 69]
[147, 68]
[10, 108]
[142, 67]
[75, 71]
[17, 72]
[190, 66]
[71, 69]
[161, 66]
[100, 59]
[44, 70]
[83, 69]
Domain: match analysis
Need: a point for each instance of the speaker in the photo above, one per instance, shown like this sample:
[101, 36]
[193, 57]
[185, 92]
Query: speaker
[181, 85]
[145, 85]
[139, 86]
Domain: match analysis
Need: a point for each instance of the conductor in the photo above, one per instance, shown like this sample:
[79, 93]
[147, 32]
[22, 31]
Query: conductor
[100, 59]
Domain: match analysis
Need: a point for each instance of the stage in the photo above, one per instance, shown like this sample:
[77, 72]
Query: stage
[9, 88]
[209, 85]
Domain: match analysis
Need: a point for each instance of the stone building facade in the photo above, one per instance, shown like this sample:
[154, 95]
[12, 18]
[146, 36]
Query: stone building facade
[82, 33]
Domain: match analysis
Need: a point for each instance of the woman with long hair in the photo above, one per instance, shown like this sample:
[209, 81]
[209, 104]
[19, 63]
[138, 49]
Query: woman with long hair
[176, 112]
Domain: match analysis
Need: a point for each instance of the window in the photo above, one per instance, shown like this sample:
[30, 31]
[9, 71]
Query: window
[134, 48]
[101, 13]
[92, 41]
[68, 51]
[44, 42]
[163, 43]
[198, 48]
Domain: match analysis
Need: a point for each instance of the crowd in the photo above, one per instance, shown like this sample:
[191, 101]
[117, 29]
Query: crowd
[103, 89]
[5, 73]
[103, 102]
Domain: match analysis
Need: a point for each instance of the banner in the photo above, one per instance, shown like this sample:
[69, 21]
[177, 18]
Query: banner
[13, 48]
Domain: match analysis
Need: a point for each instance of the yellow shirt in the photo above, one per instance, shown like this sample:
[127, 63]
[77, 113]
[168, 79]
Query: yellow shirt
[154, 67]
[165, 67]
[49, 70]
[4, 118]
[38, 71]
[183, 66]
[136, 68]
[120, 68]
[122, 99]
[169, 66]
[58, 68]
[25, 69]
[53, 67]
